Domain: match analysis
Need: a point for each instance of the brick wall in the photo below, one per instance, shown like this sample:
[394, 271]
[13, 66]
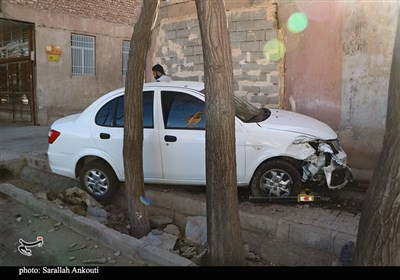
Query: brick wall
[178, 49]
[117, 11]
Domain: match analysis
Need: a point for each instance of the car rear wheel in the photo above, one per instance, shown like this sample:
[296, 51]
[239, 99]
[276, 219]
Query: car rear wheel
[276, 178]
[99, 180]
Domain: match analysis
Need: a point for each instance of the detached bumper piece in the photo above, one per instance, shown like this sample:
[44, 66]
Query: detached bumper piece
[337, 178]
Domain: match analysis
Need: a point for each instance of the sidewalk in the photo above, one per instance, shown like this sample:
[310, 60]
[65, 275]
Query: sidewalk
[312, 228]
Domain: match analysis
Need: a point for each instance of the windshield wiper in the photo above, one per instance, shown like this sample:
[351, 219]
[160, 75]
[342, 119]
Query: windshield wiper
[262, 115]
[255, 117]
[252, 118]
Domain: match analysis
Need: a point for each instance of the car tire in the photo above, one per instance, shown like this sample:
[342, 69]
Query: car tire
[276, 178]
[99, 180]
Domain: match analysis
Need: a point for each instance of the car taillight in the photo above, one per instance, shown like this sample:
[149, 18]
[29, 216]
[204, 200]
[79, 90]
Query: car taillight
[53, 135]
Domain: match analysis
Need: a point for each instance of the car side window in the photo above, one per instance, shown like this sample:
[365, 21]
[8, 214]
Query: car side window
[182, 111]
[112, 113]
[105, 116]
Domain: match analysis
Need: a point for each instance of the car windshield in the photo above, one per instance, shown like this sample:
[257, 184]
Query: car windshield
[248, 113]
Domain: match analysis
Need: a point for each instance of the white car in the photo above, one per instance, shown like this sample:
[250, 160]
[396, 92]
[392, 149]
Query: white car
[276, 150]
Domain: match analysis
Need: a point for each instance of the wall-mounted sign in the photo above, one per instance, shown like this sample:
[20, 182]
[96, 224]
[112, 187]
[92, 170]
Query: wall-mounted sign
[53, 50]
[53, 57]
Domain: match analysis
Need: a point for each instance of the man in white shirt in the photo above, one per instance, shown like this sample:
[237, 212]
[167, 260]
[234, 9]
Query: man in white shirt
[159, 74]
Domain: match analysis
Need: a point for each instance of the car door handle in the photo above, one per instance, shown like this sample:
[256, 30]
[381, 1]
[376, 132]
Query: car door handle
[105, 136]
[170, 138]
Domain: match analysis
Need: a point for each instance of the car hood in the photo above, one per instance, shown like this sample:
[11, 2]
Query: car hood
[294, 122]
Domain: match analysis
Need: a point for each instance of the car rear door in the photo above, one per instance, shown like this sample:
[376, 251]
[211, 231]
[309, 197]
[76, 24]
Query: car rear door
[108, 134]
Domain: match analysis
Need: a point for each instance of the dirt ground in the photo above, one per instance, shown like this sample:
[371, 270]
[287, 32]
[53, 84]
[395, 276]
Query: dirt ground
[61, 245]
[269, 252]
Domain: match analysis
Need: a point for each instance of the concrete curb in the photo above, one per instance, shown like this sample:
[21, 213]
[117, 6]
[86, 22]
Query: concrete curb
[321, 229]
[130, 247]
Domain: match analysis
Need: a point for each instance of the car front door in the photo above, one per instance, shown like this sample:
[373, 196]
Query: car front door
[182, 137]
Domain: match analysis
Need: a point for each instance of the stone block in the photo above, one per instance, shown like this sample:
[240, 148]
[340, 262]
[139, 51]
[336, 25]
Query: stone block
[260, 14]
[184, 33]
[244, 25]
[259, 99]
[179, 25]
[249, 67]
[274, 79]
[232, 26]
[252, 89]
[196, 229]
[193, 59]
[250, 46]
[170, 35]
[197, 50]
[270, 35]
[190, 24]
[188, 50]
[262, 25]
[257, 35]
[242, 16]
[269, 89]
[238, 36]
[269, 67]
[160, 221]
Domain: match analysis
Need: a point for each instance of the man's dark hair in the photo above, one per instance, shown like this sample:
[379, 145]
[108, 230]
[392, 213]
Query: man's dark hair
[159, 68]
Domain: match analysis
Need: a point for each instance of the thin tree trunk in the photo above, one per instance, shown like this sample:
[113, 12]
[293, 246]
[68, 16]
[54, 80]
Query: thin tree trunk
[133, 120]
[378, 240]
[224, 235]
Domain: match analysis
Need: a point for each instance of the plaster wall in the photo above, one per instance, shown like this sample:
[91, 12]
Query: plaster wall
[337, 71]
[368, 40]
[58, 92]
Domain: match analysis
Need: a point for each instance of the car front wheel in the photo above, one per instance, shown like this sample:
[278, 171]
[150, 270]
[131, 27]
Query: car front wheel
[276, 178]
[99, 180]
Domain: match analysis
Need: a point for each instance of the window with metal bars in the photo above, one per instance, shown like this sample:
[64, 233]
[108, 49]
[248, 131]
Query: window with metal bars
[83, 49]
[125, 55]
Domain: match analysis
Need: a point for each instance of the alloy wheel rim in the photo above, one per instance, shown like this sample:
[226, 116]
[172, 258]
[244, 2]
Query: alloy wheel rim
[276, 182]
[96, 182]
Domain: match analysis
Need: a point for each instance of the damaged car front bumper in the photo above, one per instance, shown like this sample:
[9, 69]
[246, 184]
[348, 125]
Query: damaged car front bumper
[327, 164]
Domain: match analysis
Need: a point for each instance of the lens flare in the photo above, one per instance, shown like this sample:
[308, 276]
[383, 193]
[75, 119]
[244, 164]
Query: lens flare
[297, 22]
[274, 50]
[144, 200]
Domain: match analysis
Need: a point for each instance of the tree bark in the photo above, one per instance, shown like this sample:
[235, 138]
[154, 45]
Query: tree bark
[224, 235]
[378, 240]
[133, 120]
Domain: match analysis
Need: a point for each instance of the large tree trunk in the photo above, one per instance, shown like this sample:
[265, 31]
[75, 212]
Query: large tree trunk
[133, 120]
[224, 235]
[378, 240]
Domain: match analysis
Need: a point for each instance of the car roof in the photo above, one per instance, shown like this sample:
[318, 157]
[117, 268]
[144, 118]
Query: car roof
[198, 86]
[177, 84]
